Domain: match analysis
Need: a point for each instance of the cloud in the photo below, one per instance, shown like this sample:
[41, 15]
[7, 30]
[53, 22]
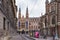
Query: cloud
[38, 8]
[35, 7]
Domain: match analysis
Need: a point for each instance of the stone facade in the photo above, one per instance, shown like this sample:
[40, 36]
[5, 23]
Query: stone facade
[52, 17]
[7, 15]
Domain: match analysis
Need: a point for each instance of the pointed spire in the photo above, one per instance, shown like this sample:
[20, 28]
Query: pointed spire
[47, 1]
[27, 12]
[19, 10]
[19, 15]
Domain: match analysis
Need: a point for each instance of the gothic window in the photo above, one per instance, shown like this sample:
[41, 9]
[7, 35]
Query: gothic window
[26, 24]
[19, 24]
[45, 21]
[50, 9]
[53, 8]
[4, 23]
[53, 20]
[8, 25]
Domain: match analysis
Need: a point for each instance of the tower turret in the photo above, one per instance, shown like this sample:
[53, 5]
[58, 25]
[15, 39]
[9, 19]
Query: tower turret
[19, 15]
[47, 1]
[27, 15]
[47, 6]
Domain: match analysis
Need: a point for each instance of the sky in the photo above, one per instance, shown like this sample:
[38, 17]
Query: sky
[35, 7]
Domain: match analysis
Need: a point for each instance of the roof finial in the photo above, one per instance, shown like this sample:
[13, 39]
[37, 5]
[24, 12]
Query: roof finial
[27, 12]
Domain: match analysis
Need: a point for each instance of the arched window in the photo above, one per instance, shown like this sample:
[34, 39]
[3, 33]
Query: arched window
[27, 24]
[53, 20]
[19, 23]
[4, 23]
[45, 21]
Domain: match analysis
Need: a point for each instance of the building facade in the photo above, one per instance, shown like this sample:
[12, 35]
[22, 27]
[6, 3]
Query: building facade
[52, 17]
[7, 15]
[27, 23]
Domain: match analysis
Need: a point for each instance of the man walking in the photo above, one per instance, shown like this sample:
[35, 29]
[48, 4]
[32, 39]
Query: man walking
[53, 35]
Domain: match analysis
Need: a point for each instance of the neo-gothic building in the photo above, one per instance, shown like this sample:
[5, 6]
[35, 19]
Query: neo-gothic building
[27, 23]
[52, 17]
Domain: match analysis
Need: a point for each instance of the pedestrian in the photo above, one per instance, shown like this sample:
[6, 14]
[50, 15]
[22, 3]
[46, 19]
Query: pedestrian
[53, 35]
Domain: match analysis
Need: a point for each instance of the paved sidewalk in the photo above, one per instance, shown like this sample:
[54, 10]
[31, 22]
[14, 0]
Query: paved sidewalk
[8, 36]
[48, 38]
[4, 38]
